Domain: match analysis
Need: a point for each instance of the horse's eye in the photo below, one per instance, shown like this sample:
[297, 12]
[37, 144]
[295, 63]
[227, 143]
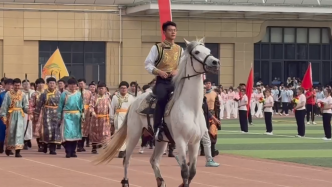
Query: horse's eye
[196, 52]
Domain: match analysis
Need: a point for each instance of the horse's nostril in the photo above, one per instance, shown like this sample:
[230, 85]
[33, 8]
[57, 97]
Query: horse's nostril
[214, 62]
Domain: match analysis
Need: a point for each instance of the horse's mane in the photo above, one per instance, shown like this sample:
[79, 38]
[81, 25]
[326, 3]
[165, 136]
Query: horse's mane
[178, 80]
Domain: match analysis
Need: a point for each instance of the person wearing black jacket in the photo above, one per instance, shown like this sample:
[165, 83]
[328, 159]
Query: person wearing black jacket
[206, 147]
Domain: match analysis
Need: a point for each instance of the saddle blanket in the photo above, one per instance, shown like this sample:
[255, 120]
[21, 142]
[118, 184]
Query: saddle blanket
[144, 108]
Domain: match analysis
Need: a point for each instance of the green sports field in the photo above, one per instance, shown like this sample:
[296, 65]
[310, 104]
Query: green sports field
[282, 146]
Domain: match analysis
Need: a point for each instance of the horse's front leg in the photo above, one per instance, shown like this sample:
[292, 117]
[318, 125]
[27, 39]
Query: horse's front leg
[193, 153]
[181, 158]
[154, 160]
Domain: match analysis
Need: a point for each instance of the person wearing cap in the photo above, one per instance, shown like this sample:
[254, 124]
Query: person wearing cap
[119, 108]
[47, 107]
[87, 95]
[70, 117]
[14, 105]
[28, 127]
[8, 86]
[35, 117]
[100, 110]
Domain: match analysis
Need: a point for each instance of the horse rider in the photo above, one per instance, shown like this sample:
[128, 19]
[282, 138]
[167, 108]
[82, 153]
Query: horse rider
[162, 62]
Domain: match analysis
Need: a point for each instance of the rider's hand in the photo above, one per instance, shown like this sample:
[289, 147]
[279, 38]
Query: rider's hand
[174, 72]
[162, 74]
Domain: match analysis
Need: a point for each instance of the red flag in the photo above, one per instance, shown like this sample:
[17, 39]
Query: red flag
[250, 85]
[165, 14]
[307, 79]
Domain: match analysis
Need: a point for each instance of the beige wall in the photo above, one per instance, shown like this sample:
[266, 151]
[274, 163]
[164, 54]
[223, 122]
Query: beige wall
[20, 32]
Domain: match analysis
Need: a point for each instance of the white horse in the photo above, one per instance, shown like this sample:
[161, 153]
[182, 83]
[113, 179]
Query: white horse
[185, 121]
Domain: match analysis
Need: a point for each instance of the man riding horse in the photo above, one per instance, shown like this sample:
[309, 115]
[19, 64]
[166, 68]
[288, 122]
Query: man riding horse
[163, 61]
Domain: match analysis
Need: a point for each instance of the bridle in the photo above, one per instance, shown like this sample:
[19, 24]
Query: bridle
[192, 63]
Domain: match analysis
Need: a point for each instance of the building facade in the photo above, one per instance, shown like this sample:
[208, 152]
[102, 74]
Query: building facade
[110, 44]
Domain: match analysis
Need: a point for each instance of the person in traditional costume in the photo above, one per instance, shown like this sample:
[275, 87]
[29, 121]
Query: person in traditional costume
[27, 122]
[206, 140]
[61, 85]
[2, 84]
[100, 108]
[87, 95]
[33, 86]
[92, 88]
[8, 86]
[213, 106]
[132, 89]
[70, 115]
[163, 61]
[119, 108]
[14, 105]
[47, 106]
[35, 117]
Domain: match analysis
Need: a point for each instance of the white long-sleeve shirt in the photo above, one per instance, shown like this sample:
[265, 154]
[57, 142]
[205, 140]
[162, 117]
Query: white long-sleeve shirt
[152, 58]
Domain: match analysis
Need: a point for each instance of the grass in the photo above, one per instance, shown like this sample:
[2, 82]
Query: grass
[282, 146]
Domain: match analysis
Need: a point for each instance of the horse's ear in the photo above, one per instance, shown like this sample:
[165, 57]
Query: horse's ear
[202, 40]
[186, 41]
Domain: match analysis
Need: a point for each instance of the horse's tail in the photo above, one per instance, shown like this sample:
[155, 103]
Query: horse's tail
[112, 145]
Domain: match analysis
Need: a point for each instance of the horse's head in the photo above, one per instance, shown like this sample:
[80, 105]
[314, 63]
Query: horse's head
[201, 59]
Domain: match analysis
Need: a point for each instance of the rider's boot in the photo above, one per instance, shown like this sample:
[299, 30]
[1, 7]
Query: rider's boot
[170, 150]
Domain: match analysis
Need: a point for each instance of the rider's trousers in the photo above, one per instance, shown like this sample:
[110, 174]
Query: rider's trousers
[162, 89]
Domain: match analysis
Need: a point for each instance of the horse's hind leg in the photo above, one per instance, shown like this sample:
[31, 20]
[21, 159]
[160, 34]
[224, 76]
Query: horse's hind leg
[154, 160]
[133, 138]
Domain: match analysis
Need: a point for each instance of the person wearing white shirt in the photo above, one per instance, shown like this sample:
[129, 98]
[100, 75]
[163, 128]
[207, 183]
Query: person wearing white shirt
[243, 112]
[286, 96]
[319, 96]
[268, 104]
[300, 113]
[275, 95]
[327, 112]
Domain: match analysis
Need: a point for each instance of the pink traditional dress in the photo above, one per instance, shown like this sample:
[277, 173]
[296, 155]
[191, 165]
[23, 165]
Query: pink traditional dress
[100, 126]
[36, 117]
[87, 95]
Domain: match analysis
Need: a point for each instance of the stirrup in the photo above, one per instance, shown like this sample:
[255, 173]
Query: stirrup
[157, 133]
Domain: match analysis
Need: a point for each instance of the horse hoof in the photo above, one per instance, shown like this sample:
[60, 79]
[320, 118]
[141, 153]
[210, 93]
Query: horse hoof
[125, 183]
[181, 185]
[161, 182]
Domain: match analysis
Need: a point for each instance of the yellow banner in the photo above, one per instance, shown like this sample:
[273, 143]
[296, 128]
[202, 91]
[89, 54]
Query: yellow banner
[55, 66]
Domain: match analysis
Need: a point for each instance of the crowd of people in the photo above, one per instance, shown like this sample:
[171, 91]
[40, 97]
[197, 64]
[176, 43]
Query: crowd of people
[64, 113]
[266, 101]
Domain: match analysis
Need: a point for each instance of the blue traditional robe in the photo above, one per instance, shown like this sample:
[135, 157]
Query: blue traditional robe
[47, 108]
[70, 112]
[2, 125]
[14, 105]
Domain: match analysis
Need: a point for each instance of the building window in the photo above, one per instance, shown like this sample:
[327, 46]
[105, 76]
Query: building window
[83, 59]
[285, 52]
[215, 52]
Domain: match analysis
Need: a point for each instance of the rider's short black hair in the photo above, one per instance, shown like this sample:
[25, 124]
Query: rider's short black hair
[168, 23]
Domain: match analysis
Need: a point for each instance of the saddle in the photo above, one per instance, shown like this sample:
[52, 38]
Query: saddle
[147, 108]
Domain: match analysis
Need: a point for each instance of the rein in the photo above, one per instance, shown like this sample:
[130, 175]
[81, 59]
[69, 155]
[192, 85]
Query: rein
[192, 64]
